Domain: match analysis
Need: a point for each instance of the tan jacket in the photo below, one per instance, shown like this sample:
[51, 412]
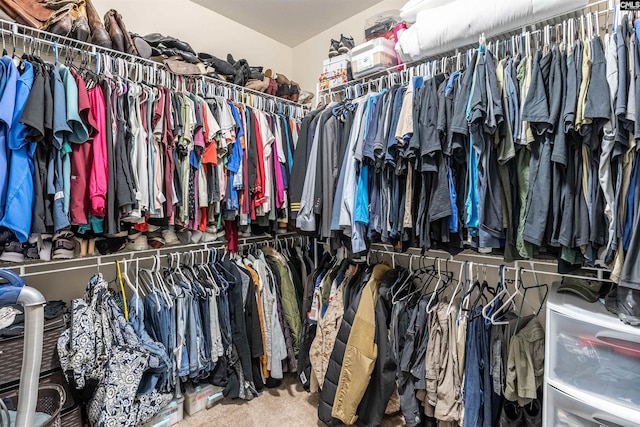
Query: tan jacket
[360, 354]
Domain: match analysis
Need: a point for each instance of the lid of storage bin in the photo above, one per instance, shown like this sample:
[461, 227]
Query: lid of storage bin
[377, 44]
[578, 308]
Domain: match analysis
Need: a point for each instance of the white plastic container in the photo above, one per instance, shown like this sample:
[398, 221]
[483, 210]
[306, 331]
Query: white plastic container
[335, 71]
[200, 398]
[170, 415]
[373, 56]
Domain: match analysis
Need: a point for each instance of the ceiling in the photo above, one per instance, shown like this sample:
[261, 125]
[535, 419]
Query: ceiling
[288, 21]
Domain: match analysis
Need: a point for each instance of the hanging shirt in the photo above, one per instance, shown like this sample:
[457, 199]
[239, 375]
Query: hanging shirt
[17, 214]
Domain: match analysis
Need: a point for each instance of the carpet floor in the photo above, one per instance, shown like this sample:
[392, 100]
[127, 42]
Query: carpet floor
[286, 406]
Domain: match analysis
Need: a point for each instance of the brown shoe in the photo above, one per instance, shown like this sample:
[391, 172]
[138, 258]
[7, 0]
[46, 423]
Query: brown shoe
[81, 30]
[99, 34]
[129, 45]
[63, 26]
[115, 33]
[294, 91]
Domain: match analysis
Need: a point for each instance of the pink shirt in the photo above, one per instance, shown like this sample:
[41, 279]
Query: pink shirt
[99, 169]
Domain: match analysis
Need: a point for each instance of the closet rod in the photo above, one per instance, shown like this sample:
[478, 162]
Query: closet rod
[26, 33]
[452, 54]
[97, 261]
[494, 258]
[516, 267]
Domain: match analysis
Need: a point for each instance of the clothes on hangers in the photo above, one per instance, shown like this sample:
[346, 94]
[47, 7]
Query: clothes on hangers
[521, 153]
[233, 321]
[443, 360]
[101, 154]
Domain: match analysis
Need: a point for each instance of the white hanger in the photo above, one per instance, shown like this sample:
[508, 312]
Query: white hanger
[503, 291]
[455, 290]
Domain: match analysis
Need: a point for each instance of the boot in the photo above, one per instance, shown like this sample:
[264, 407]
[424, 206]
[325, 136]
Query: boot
[230, 59]
[99, 34]
[81, 29]
[63, 27]
[294, 91]
[221, 67]
[130, 47]
[115, 33]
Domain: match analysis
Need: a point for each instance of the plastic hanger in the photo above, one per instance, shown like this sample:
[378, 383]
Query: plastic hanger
[463, 269]
[431, 308]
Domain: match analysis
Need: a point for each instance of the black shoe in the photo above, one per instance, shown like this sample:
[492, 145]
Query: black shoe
[346, 44]
[13, 251]
[333, 49]
[31, 251]
[230, 59]
[532, 414]
[283, 92]
[157, 39]
[5, 236]
[611, 300]
[222, 67]
[512, 415]
[629, 305]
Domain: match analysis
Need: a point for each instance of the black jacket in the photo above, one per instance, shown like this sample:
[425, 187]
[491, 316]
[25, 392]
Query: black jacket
[383, 378]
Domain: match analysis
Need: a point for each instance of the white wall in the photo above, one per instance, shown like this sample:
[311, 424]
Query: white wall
[203, 29]
[308, 56]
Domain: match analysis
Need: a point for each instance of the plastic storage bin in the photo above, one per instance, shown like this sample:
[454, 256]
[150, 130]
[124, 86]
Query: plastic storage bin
[563, 410]
[373, 56]
[170, 415]
[591, 352]
[200, 398]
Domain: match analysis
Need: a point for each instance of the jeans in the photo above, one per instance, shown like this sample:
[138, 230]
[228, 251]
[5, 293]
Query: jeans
[181, 350]
[477, 382]
[159, 363]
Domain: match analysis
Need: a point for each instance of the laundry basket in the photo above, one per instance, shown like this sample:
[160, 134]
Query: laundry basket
[51, 398]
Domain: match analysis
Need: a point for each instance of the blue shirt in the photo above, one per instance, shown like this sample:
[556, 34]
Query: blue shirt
[19, 206]
[7, 105]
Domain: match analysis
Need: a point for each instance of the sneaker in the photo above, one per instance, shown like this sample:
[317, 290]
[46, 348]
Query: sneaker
[334, 48]
[63, 245]
[138, 243]
[184, 237]
[156, 242]
[532, 414]
[46, 245]
[170, 237]
[628, 305]
[345, 45]
[13, 251]
[209, 237]
[31, 251]
[512, 415]
[110, 245]
[196, 236]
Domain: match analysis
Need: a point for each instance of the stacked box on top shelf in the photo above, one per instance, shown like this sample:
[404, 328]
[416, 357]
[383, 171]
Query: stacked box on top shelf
[335, 71]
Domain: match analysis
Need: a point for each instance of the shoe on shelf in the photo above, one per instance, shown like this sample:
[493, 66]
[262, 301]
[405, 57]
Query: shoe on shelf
[345, 45]
[294, 91]
[156, 242]
[31, 251]
[46, 245]
[283, 91]
[137, 242]
[196, 236]
[334, 48]
[13, 251]
[5, 235]
[63, 245]
[170, 238]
